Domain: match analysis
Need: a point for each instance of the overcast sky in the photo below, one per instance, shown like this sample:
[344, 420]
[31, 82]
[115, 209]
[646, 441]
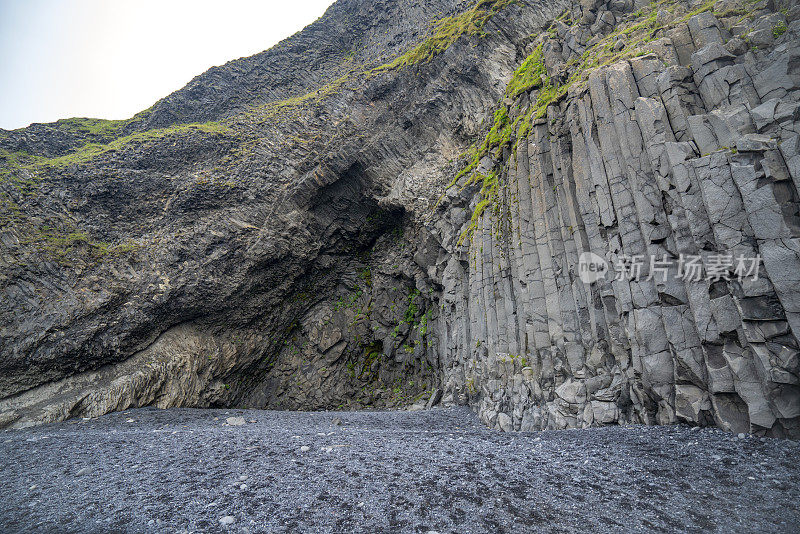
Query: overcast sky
[112, 58]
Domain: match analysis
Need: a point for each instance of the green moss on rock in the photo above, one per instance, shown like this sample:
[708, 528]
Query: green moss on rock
[447, 31]
[528, 75]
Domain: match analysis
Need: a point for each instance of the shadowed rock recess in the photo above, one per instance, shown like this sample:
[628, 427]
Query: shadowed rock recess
[387, 209]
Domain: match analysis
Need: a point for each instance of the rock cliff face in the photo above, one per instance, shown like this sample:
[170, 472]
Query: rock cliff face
[391, 208]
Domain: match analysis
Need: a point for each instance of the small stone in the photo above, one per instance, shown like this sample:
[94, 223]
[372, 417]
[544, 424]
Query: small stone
[33, 487]
[243, 487]
[504, 422]
[736, 46]
[434, 399]
[243, 478]
[130, 421]
[620, 5]
[761, 38]
[227, 520]
[235, 421]
[739, 30]
[755, 143]
[741, 435]
[305, 448]
[84, 471]
[337, 422]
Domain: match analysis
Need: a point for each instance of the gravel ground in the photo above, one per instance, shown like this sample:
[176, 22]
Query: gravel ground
[180, 470]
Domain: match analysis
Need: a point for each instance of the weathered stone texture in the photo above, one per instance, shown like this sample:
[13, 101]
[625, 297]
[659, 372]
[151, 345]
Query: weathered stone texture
[653, 159]
[313, 255]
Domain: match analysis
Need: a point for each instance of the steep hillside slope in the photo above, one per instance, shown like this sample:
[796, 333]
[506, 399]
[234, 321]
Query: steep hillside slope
[391, 206]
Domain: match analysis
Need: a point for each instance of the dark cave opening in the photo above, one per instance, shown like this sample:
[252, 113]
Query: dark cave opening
[354, 330]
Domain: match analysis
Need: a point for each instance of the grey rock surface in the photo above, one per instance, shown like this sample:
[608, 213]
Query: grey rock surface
[673, 152]
[375, 215]
[443, 470]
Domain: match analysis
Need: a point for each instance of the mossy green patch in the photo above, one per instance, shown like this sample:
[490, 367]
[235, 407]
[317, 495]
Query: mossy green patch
[291, 108]
[447, 31]
[19, 158]
[92, 150]
[412, 310]
[489, 191]
[14, 175]
[528, 75]
[532, 74]
[91, 127]
[60, 243]
[499, 136]
[15, 162]
[372, 354]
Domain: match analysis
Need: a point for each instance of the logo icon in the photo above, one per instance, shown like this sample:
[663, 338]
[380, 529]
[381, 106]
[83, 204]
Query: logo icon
[591, 267]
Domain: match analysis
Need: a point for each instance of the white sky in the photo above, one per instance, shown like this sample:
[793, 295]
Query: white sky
[112, 58]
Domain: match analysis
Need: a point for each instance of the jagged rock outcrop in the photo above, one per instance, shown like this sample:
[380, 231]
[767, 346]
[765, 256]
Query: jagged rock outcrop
[679, 147]
[311, 248]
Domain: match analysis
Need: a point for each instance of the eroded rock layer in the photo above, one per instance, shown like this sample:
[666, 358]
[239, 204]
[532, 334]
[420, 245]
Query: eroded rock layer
[346, 233]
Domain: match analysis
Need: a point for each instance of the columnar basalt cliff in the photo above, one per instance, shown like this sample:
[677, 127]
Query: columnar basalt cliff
[388, 209]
